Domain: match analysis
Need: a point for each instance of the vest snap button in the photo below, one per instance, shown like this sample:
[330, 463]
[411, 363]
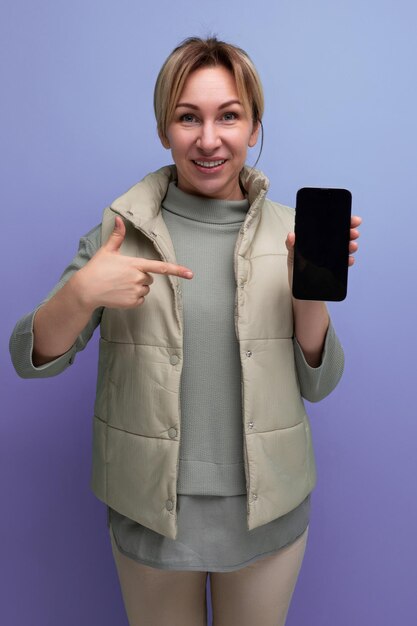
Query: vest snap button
[248, 353]
[169, 505]
[172, 433]
[255, 497]
[250, 424]
[174, 359]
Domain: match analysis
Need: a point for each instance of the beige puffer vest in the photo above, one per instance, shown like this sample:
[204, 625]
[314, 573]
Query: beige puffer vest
[137, 423]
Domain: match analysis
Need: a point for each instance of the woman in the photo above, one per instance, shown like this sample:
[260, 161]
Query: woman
[202, 448]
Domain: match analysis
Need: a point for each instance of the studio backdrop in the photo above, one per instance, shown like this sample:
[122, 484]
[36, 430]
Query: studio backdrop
[77, 129]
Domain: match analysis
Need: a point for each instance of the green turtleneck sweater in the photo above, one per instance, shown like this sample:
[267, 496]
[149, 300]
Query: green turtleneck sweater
[204, 232]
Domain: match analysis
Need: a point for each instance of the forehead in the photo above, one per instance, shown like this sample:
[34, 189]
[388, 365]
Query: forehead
[213, 83]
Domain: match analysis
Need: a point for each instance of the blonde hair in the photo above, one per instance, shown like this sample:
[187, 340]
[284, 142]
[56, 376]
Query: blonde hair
[194, 53]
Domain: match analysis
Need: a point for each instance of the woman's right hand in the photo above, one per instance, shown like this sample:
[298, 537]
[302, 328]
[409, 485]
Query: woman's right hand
[108, 279]
[113, 280]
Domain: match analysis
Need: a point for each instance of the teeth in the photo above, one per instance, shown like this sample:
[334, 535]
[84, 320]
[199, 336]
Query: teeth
[209, 163]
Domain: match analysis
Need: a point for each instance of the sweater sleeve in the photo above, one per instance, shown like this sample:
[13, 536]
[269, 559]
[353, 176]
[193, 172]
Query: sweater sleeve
[318, 382]
[21, 340]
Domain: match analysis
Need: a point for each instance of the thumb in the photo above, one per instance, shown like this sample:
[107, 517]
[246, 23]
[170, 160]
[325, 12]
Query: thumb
[289, 242]
[116, 239]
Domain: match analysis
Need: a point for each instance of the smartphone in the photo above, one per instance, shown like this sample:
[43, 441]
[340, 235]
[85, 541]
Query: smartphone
[321, 252]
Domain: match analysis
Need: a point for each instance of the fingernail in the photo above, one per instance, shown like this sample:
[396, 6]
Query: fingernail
[188, 274]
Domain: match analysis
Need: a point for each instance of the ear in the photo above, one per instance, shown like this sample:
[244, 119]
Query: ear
[254, 134]
[164, 140]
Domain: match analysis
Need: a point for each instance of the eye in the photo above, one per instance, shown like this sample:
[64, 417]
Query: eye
[188, 118]
[230, 116]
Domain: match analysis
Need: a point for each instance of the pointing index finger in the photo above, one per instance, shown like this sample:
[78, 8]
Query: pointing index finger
[163, 267]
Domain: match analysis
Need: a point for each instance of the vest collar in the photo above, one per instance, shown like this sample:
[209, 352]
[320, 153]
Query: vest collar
[141, 204]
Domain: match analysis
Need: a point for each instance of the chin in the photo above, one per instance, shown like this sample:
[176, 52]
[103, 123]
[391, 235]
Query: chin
[219, 190]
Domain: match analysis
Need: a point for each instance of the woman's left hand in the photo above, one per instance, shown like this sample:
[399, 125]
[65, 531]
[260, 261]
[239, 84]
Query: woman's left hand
[355, 222]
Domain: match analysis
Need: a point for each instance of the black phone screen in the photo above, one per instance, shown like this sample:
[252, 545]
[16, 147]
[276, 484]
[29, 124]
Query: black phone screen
[322, 233]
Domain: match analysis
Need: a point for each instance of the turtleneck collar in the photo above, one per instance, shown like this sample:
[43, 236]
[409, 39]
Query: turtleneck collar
[202, 209]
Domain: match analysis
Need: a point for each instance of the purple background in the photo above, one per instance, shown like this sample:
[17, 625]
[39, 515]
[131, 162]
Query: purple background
[77, 130]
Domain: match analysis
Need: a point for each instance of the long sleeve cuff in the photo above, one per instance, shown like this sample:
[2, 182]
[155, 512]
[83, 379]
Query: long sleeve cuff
[21, 350]
[318, 382]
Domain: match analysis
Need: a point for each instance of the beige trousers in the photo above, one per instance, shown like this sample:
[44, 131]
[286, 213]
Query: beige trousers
[258, 594]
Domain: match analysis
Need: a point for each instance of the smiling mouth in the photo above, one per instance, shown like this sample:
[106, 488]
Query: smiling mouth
[210, 164]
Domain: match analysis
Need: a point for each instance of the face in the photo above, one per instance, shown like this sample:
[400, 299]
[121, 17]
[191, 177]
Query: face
[210, 134]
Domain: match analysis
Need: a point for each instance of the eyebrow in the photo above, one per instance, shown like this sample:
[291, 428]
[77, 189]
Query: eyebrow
[188, 105]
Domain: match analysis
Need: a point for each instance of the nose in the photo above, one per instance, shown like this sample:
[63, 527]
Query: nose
[208, 139]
